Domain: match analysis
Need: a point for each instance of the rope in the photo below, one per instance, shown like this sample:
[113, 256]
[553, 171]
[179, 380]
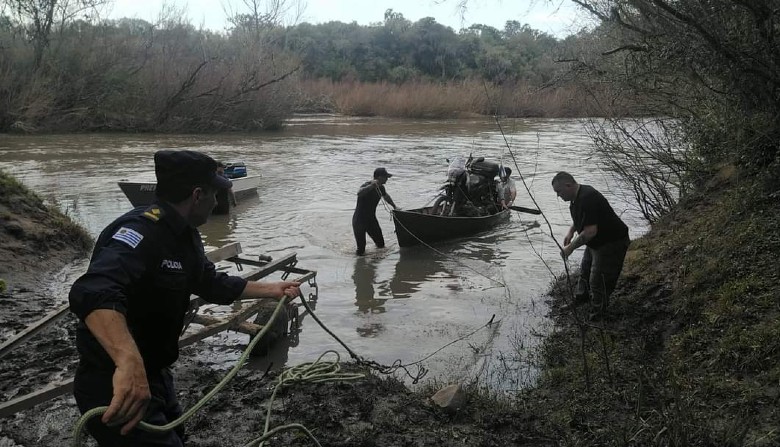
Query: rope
[312, 372]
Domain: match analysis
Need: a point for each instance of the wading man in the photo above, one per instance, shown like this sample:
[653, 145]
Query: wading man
[132, 300]
[364, 220]
[601, 231]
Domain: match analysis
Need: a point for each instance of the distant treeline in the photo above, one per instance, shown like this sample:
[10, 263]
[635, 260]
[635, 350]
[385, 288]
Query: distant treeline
[64, 70]
[398, 50]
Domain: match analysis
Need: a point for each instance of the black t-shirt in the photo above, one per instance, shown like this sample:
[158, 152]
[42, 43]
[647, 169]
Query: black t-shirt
[367, 202]
[591, 208]
[145, 265]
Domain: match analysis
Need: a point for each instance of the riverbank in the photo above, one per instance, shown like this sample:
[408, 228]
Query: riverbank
[686, 356]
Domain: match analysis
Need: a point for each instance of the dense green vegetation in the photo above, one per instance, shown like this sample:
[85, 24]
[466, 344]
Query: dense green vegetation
[398, 50]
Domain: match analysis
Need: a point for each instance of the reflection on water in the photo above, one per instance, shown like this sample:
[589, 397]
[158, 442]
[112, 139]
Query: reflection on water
[364, 277]
[413, 268]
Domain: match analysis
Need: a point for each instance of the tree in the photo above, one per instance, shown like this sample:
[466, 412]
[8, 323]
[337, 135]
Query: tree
[713, 67]
[38, 17]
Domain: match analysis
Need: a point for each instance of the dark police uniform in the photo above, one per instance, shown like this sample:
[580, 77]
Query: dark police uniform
[145, 265]
[605, 253]
[364, 219]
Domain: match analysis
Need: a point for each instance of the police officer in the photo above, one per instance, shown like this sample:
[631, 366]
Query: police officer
[132, 300]
[364, 219]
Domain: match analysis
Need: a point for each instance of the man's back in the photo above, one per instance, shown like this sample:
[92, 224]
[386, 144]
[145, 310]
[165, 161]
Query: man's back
[368, 201]
[590, 207]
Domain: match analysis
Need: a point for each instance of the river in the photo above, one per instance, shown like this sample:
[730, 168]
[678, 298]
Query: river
[392, 304]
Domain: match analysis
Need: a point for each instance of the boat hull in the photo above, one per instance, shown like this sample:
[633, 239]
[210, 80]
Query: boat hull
[413, 227]
[142, 193]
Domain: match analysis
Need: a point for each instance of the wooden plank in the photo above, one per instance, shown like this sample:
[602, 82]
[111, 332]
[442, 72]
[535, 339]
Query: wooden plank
[243, 327]
[33, 329]
[225, 252]
[233, 319]
[273, 266]
[37, 397]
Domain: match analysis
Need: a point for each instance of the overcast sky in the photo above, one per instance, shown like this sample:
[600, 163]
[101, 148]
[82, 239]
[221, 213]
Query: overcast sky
[558, 21]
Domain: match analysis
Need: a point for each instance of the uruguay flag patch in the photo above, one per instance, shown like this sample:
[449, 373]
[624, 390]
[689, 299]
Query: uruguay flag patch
[128, 236]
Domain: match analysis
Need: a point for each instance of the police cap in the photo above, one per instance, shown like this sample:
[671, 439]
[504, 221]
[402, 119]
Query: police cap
[183, 169]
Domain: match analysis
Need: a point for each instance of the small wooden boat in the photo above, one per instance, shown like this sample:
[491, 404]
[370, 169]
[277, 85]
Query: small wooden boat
[416, 226]
[142, 193]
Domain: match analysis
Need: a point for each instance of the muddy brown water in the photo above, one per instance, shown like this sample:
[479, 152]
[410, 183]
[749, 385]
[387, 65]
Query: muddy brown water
[394, 303]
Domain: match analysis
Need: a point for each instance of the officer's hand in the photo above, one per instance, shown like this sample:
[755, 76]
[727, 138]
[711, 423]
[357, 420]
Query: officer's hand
[131, 396]
[567, 239]
[287, 288]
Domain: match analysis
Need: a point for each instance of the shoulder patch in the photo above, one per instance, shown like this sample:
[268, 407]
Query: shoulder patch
[154, 213]
[128, 236]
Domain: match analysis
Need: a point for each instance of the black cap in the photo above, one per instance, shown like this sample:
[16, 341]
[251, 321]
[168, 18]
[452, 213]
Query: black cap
[382, 172]
[178, 169]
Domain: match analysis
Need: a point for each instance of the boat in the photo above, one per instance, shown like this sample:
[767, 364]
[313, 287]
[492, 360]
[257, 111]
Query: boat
[142, 193]
[422, 225]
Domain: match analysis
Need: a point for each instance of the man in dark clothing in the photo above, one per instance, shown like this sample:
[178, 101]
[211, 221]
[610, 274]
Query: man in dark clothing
[132, 300]
[604, 234]
[364, 220]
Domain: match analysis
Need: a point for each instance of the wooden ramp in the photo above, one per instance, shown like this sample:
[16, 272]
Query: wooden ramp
[205, 326]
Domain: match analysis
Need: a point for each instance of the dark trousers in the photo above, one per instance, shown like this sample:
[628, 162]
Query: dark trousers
[599, 271]
[93, 388]
[362, 225]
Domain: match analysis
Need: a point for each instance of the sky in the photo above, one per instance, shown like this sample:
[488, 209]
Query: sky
[559, 19]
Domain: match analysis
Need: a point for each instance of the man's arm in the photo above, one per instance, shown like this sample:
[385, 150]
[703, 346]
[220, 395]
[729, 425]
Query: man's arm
[569, 236]
[389, 200]
[588, 233]
[278, 290]
[130, 385]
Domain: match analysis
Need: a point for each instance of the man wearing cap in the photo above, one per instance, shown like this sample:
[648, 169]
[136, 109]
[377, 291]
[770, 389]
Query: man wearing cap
[364, 220]
[132, 300]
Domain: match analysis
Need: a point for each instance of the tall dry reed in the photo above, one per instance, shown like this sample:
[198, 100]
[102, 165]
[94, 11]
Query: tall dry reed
[423, 99]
